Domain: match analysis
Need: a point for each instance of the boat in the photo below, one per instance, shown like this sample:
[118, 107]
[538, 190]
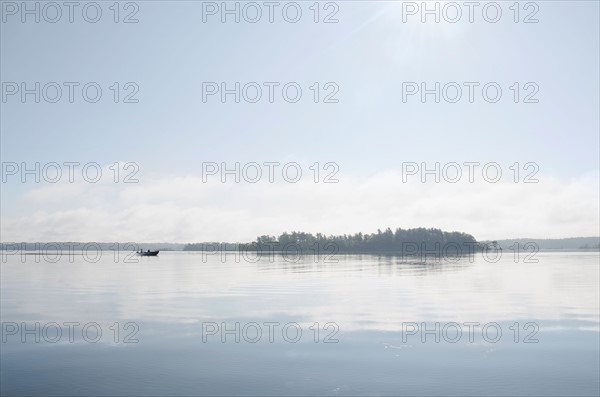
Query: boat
[147, 253]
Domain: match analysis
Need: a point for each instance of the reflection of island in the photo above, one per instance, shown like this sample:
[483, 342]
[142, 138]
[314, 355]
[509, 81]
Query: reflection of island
[434, 241]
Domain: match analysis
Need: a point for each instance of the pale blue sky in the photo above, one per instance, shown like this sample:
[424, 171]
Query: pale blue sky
[369, 53]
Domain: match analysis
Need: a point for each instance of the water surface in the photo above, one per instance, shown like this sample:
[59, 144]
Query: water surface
[371, 314]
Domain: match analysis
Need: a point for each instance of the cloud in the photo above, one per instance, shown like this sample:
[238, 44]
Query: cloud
[184, 209]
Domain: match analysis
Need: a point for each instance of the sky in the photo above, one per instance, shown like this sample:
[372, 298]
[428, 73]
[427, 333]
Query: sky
[171, 136]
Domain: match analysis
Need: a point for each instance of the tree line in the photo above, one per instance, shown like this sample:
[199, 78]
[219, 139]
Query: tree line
[399, 240]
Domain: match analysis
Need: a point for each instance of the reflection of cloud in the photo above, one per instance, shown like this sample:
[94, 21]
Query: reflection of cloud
[185, 209]
[182, 290]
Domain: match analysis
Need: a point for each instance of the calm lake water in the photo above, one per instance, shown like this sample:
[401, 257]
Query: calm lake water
[178, 316]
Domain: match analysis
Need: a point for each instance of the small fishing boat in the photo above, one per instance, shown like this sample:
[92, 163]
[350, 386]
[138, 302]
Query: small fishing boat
[147, 253]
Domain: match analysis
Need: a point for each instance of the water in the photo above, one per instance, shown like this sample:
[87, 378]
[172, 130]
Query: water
[177, 304]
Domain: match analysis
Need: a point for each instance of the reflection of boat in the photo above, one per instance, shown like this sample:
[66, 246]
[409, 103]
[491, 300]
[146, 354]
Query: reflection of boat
[147, 253]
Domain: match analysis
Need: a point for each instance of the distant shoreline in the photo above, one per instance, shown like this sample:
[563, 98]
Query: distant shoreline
[386, 253]
[568, 244]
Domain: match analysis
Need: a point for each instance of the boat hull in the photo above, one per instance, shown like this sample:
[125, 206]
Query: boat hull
[148, 253]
